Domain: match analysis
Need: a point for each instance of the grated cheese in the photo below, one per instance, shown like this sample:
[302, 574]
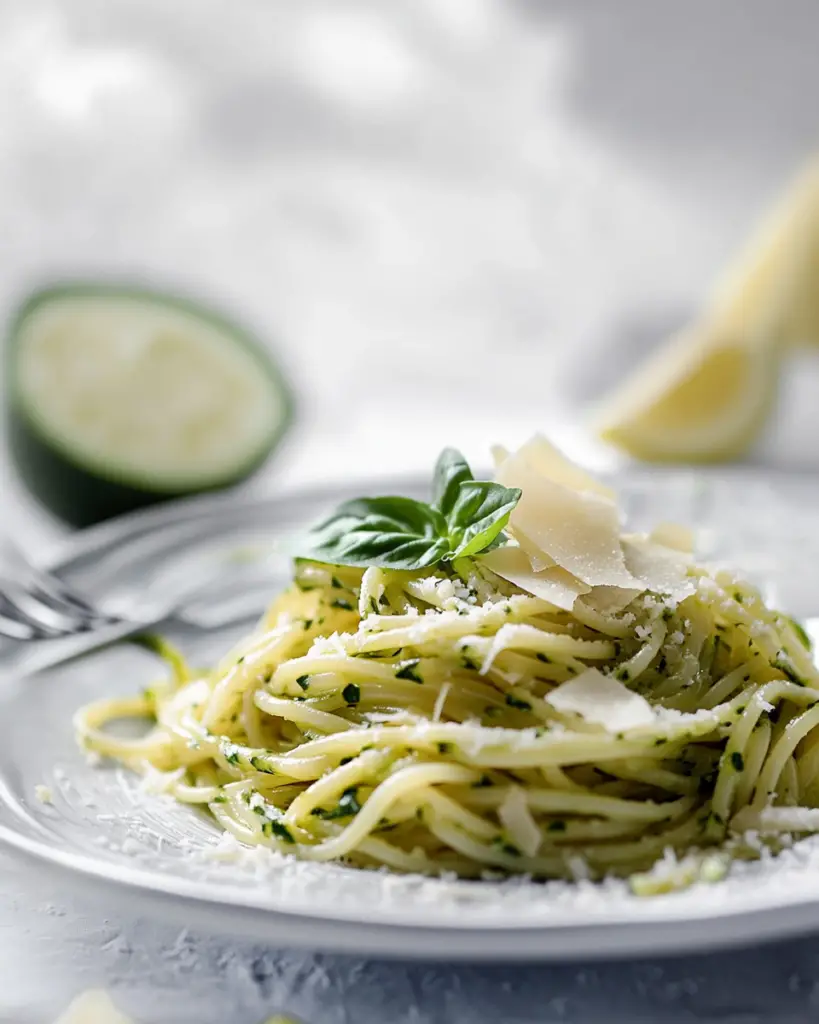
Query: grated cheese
[44, 794]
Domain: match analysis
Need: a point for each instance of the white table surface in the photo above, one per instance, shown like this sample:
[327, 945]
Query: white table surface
[454, 218]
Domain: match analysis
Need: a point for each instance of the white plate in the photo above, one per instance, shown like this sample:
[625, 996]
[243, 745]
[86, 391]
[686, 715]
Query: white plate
[104, 831]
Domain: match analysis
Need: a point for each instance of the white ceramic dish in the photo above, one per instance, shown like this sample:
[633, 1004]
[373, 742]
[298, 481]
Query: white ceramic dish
[104, 831]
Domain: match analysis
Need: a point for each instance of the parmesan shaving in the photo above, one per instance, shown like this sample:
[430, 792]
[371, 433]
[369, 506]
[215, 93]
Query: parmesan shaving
[673, 535]
[579, 530]
[516, 818]
[537, 558]
[611, 600]
[660, 569]
[546, 460]
[602, 700]
[554, 585]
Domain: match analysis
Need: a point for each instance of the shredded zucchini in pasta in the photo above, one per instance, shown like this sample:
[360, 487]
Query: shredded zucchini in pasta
[420, 721]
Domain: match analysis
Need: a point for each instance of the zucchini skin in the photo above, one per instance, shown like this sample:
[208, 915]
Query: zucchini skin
[82, 496]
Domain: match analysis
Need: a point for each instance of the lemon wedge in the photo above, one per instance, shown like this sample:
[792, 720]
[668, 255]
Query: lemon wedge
[698, 400]
[771, 287]
[705, 395]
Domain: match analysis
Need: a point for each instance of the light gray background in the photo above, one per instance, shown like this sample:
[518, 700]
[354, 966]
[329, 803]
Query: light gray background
[457, 218]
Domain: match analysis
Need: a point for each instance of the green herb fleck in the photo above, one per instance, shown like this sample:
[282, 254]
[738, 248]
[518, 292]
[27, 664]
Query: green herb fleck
[544, 658]
[342, 603]
[558, 825]
[275, 828]
[336, 583]
[303, 682]
[351, 693]
[482, 782]
[516, 702]
[737, 761]
[444, 748]
[408, 671]
[506, 847]
[788, 670]
[346, 807]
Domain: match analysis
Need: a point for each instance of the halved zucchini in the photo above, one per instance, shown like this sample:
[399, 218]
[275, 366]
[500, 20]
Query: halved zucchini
[120, 397]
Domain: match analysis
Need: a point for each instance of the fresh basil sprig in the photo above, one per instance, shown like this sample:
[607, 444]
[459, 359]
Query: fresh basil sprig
[466, 516]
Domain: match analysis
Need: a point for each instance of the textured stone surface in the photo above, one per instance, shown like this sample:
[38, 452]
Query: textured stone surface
[451, 216]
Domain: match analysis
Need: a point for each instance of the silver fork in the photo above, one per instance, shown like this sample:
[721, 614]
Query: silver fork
[35, 604]
[44, 608]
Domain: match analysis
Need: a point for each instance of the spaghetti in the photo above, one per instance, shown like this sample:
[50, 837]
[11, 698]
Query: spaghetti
[450, 721]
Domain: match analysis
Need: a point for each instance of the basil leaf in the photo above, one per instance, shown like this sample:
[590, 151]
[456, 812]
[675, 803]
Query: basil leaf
[451, 470]
[480, 512]
[392, 533]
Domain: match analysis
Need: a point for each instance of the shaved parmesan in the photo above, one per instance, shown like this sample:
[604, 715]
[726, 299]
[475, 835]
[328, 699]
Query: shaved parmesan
[579, 530]
[554, 585]
[93, 1007]
[516, 818]
[672, 535]
[549, 462]
[537, 559]
[611, 600]
[660, 569]
[602, 700]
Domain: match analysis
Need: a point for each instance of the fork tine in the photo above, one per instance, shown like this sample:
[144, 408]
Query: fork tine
[25, 606]
[56, 590]
[14, 629]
